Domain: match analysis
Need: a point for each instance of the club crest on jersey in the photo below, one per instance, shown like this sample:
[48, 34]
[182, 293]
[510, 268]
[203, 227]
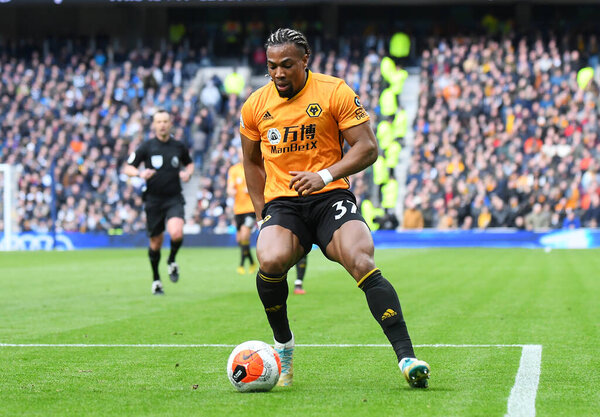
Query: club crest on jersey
[357, 102]
[274, 136]
[175, 162]
[156, 161]
[314, 110]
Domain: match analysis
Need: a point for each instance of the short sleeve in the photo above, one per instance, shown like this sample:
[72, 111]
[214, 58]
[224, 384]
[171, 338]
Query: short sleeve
[186, 159]
[137, 157]
[347, 108]
[248, 125]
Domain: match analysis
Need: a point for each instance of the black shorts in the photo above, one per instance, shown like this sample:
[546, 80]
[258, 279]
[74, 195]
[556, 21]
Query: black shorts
[314, 218]
[245, 219]
[159, 210]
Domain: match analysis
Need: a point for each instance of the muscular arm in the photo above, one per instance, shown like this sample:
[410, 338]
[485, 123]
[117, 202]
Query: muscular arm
[254, 170]
[362, 153]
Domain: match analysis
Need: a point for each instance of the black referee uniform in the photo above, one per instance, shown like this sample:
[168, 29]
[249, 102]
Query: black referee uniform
[162, 197]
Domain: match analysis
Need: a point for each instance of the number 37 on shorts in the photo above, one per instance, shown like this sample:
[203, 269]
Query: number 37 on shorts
[342, 207]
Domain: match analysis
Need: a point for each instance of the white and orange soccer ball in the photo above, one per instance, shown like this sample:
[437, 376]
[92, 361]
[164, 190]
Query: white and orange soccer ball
[253, 366]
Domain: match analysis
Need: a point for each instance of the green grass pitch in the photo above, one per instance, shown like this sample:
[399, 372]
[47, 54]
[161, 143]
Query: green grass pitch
[448, 296]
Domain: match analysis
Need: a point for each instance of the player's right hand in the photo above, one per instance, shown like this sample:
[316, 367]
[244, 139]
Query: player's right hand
[306, 182]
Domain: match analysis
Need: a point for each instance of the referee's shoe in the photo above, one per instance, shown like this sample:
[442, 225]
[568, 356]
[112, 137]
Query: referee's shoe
[173, 269]
[157, 288]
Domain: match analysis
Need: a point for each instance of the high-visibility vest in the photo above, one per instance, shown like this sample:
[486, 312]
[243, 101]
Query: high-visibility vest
[584, 76]
[385, 134]
[400, 123]
[388, 102]
[397, 80]
[389, 194]
[388, 68]
[392, 154]
[380, 171]
[369, 212]
[234, 83]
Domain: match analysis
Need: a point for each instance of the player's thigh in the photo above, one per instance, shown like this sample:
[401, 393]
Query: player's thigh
[244, 233]
[174, 214]
[352, 246]
[175, 227]
[278, 249]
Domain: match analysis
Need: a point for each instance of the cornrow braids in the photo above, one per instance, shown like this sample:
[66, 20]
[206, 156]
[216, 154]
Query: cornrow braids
[285, 35]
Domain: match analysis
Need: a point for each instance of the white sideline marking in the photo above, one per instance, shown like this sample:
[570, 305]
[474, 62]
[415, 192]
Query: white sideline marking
[84, 345]
[521, 402]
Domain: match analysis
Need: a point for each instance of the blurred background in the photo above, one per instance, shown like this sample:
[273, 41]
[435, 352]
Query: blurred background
[486, 113]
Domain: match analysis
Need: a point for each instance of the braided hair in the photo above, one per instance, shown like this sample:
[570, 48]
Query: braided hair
[285, 35]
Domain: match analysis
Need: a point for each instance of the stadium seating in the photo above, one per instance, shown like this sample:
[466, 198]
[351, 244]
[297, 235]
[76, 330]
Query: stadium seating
[505, 136]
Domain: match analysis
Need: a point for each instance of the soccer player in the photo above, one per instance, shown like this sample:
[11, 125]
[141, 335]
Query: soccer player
[245, 219]
[300, 271]
[293, 131]
[163, 158]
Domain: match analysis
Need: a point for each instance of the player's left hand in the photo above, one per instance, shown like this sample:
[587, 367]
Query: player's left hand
[184, 176]
[305, 182]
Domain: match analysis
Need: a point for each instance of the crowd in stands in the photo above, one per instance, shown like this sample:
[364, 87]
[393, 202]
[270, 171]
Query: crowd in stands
[71, 118]
[505, 136]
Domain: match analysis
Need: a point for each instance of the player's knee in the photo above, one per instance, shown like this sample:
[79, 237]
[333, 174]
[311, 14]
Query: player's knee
[177, 235]
[361, 264]
[274, 265]
[274, 261]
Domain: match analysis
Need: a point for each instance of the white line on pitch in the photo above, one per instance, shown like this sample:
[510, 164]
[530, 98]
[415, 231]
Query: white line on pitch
[521, 402]
[91, 345]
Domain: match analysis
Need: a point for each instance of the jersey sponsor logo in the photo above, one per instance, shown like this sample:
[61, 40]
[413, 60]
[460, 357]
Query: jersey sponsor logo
[305, 134]
[357, 102]
[295, 147]
[156, 161]
[175, 162]
[314, 110]
[131, 158]
[360, 113]
[242, 122]
[274, 136]
[267, 116]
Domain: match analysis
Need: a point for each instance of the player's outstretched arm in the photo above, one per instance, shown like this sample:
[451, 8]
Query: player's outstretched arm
[254, 170]
[362, 153]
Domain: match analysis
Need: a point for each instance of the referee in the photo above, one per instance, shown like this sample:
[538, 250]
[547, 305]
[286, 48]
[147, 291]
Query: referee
[163, 158]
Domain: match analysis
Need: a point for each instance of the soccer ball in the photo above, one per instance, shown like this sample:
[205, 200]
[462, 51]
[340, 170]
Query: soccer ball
[253, 366]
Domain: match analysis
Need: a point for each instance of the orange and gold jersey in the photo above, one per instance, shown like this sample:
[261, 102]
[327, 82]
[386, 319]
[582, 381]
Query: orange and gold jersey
[301, 133]
[235, 179]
